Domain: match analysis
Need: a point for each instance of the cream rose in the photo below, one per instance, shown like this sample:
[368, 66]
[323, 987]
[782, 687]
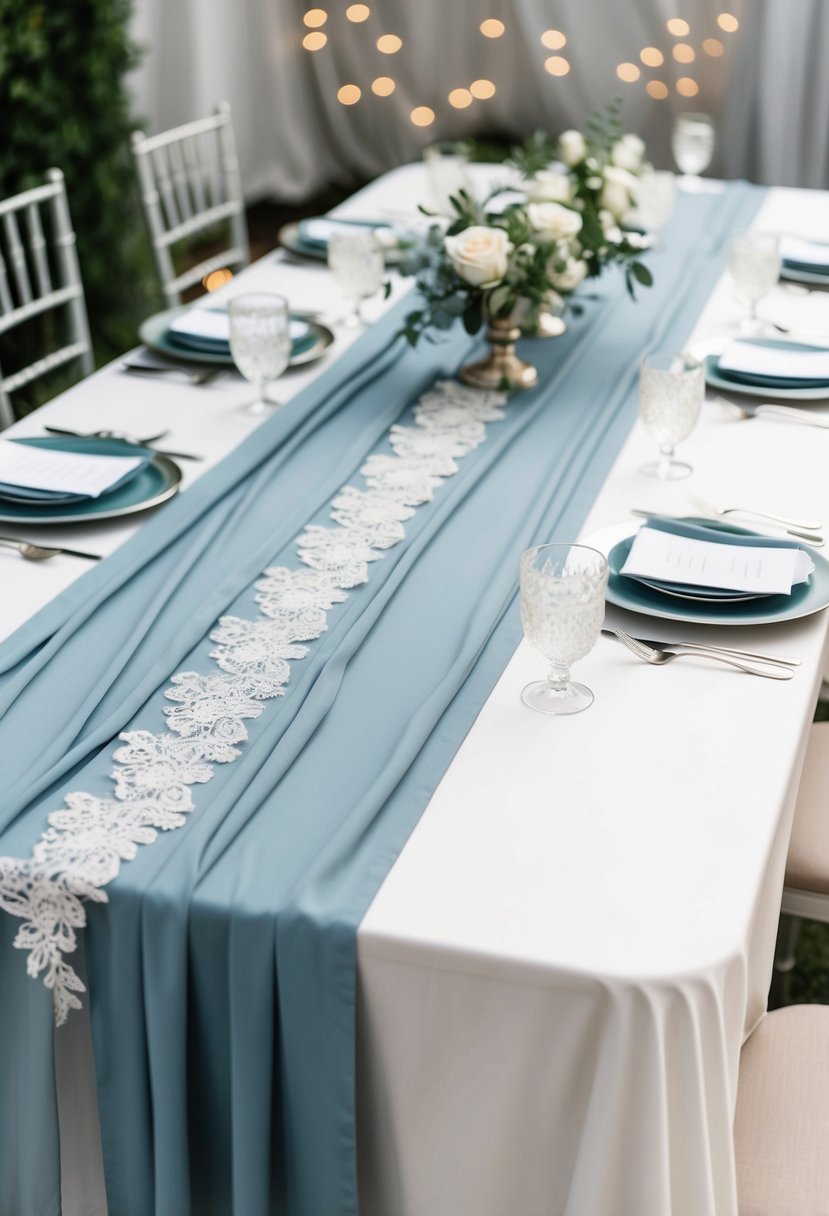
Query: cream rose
[618, 192]
[553, 220]
[569, 278]
[628, 153]
[479, 255]
[549, 186]
[571, 147]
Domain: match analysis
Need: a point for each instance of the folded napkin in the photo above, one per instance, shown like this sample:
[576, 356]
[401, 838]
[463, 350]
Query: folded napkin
[802, 254]
[674, 553]
[774, 363]
[207, 330]
[317, 232]
[53, 475]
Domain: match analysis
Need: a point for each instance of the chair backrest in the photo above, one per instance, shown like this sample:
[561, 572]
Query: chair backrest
[190, 182]
[39, 272]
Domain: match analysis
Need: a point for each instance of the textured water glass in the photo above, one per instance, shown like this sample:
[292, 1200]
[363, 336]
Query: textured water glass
[754, 267]
[562, 609]
[356, 262]
[446, 173]
[692, 143]
[671, 393]
[260, 342]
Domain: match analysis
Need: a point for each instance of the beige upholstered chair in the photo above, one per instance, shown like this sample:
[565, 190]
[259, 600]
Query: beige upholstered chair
[189, 179]
[39, 273]
[781, 1130]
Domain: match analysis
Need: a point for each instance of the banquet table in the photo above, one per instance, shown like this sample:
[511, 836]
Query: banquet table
[556, 974]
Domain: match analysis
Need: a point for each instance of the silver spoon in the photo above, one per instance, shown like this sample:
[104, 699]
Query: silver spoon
[40, 553]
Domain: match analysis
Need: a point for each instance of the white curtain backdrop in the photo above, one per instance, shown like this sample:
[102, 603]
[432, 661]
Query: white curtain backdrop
[769, 91]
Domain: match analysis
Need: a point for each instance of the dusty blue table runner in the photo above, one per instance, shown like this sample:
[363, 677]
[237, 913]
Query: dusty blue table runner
[222, 971]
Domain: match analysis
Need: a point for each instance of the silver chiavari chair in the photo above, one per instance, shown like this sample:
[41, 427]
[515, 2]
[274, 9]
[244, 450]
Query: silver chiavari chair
[190, 182]
[39, 272]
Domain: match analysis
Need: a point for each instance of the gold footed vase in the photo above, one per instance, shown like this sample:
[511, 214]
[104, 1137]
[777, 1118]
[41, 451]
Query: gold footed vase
[502, 368]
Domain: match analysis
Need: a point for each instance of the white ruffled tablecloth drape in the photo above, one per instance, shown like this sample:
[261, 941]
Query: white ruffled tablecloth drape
[768, 91]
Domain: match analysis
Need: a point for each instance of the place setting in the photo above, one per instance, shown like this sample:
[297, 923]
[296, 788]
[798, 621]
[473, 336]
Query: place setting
[67, 478]
[761, 356]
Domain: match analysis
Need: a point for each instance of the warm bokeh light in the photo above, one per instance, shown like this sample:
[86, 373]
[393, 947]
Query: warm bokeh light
[657, 89]
[628, 72]
[728, 22]
[383, 86]
[216, 279]
[315, 17]
[492, 28]
[460, 98]
[315, 41]
[687, 87]
[357, 12]
[422, 116]
[557, 65]
[554, 40]
[678, 27]
[349, 94]
[713, 47]
[683, 53]
[651, 57]
[482, 89]
[389, 44]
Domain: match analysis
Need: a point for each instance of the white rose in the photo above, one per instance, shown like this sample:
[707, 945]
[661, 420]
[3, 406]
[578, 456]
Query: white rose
[569, 278]
[571, 147]
[549, 186]
[553, 220]
[479, 255]
[618, 192]
[628, 153]
[610, 229]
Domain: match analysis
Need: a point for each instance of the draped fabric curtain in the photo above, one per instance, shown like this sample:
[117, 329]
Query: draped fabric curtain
[768, 89]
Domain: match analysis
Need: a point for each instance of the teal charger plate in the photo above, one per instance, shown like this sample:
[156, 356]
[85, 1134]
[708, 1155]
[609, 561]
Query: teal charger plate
[154, 332]
[635, 597]
[793, 274]
[715, 380]
[155, 483]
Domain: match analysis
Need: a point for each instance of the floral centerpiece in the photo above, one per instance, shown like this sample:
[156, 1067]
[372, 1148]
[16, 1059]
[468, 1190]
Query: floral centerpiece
[506, 262]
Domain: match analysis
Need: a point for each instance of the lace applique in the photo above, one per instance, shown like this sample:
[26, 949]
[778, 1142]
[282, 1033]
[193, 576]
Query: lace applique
[82, 849]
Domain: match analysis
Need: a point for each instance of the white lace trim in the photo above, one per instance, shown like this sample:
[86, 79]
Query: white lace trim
[82, 849]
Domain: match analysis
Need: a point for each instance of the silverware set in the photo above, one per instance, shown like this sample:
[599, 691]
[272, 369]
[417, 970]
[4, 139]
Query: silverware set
[811, 536]
[143, 443]
[776, 413]
[42, 553]
[772, 667]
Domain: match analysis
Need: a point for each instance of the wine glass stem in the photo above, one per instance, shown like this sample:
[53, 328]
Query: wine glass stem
[666, 455]
[558, 677]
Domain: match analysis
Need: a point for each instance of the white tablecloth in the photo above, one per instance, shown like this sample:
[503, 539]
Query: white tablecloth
[557, 975]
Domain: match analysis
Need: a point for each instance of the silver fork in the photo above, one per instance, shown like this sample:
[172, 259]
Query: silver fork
[714, 509]
[658, 657]
[776, 413]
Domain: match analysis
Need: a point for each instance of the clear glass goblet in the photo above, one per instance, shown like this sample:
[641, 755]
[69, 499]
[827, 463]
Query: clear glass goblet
[260, 342]
[356, 262]
[754, 267]
[692, 143]
[671, 393]
[562, 609]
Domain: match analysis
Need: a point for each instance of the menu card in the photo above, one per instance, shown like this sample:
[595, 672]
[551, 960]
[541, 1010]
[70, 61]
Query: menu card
[214, 324]
[62, 472]
[760, 360]
[668, 558]
[812, 253]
